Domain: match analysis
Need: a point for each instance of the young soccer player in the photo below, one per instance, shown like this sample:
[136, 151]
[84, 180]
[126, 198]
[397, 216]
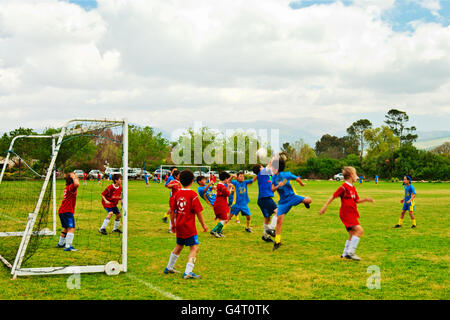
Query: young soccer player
[349, 213]
[205, 191]
[167, 180]
[146, 179]
[288, 198]
[265, 200]
[110, 198]
[408, 202]
[99, 178]
[185, 205]
[221, 206]
[376, 179]
[66, 212]
[242, 200]
[174, 185]
[85, 175]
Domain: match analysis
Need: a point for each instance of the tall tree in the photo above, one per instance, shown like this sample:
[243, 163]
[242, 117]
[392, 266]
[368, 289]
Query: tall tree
[356, 132]
[397, 121]
[381, 140]
[330, 146]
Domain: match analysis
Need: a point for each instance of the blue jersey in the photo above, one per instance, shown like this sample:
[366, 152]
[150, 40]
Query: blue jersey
[209, 196]
[286, 191]
[169, 179]
[241, 192]
[409, 191]
[265, 183]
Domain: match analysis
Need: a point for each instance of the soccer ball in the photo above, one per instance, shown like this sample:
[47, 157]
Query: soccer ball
[261, 153]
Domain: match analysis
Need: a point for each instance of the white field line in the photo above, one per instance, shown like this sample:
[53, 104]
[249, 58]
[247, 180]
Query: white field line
[149, 285]
[9, 217]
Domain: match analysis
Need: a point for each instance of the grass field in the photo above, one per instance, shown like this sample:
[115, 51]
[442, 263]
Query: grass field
[414, 263]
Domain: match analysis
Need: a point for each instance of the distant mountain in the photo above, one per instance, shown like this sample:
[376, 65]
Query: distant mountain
[432, 135]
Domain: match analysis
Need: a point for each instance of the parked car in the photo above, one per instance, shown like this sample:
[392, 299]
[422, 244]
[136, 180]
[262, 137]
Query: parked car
[79, 173]
[250, 173]
[339, 177]
[94, 173]
[112, 171]
[162, 172]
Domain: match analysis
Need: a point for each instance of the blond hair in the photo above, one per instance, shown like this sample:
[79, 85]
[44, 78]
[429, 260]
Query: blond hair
[348, 171]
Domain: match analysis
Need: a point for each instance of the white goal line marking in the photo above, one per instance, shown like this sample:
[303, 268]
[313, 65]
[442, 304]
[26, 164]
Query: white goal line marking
[9, 217]
[149, 285]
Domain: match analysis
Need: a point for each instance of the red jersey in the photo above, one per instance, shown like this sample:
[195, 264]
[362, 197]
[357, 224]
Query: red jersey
[348, 212]
[221, 207]
[85, 175]
[175, 187]
[69, 199]
[113, 195]
[186, 205]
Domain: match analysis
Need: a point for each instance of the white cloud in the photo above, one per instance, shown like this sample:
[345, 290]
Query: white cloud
[169, 63]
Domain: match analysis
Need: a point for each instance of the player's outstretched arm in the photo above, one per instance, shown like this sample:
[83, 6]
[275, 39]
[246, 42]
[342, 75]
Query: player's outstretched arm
[74, 177]
[300, 181]
[172, 219]
[325, 206]
[282, 183]
[364, 200]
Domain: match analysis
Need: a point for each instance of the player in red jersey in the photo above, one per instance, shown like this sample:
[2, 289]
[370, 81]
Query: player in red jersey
[174, 185]
[349, 213]
[185, 205]
[66, 212]
[110, 199]
[85, 176]
[221, 208]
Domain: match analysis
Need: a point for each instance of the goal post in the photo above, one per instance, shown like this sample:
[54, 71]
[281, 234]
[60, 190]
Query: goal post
[102, 138]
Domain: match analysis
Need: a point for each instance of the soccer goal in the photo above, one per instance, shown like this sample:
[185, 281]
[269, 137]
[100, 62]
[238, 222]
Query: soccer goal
[197, 170]
[31, 189]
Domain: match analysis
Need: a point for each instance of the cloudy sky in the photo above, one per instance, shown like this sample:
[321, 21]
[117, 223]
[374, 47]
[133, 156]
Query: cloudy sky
[305, 67]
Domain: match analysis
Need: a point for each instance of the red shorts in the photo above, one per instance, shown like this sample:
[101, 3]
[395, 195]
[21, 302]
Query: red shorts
[349, 220]
[220, 214]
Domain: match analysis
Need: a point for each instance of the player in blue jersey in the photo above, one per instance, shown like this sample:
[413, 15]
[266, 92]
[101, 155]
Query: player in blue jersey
[408, 202]
[265, 200]
[206, 190]
[166, 216]
[376, 179]
[288, 197]
[242, 200]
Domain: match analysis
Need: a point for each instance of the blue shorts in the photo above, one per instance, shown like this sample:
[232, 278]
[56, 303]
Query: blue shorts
[267, 206]
[284, 207]
[114, 210]
[191, 241]
[408, 206]
[67, 220]
[243, 209]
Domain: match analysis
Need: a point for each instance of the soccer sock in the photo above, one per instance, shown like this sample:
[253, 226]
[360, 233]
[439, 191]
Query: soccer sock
[273, 223]
[221, 225]
[266, 226]
[414, 222]
[346, 248]
[248, 224]
[400, 221]
[69, 239]
[173, 258]
[62, 240]
[189, 267]
[105, 223]
[216, 228]
[116, 224]
[278, 238]
[353, 244]
[170, 224]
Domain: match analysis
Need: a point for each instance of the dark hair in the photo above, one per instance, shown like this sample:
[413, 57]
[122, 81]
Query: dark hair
[256, 168]
[116, 177]
[69, 180]
[175, 173]
[281, 164]
[224, 175]
[172, 168]
[239, 173]
[186, 177]
[409, 178]
[200, 178]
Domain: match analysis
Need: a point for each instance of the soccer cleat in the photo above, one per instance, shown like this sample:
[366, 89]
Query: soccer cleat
[60, 245]
[307, 206]
[352, 256]
[103, 231]
[221, 235]
[170, 231]
[268, 239]
[117, 231]
[215, 234]
[249, 230]
[164, 219]
[70, 249]
[191, 275]
[271, 232]
[167, 271]
[276, 246]
[397, 226]
[413, 226]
